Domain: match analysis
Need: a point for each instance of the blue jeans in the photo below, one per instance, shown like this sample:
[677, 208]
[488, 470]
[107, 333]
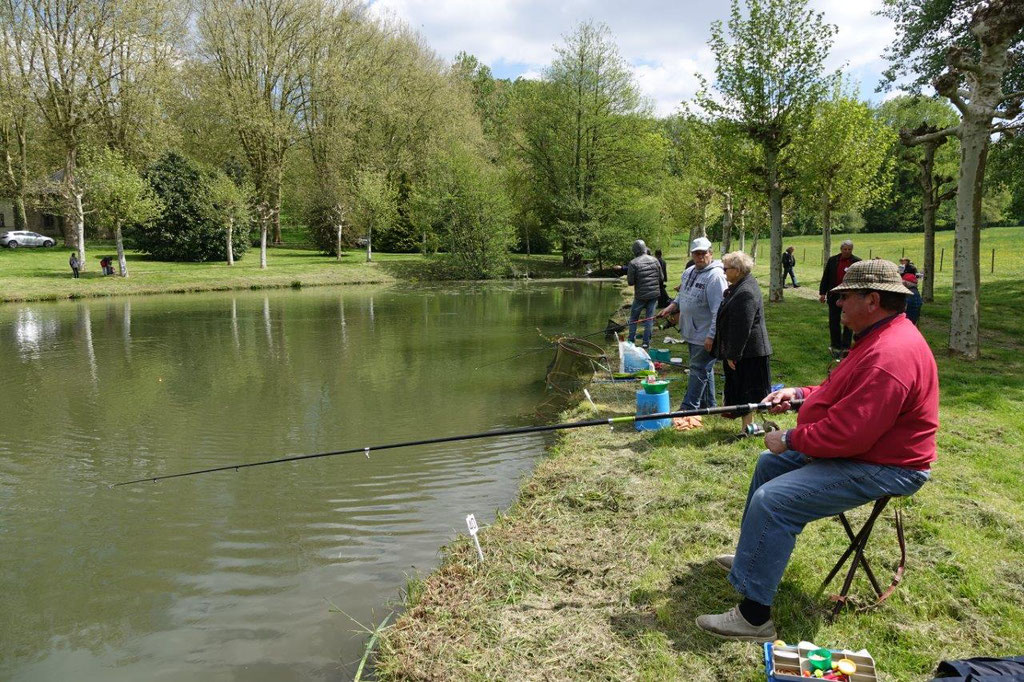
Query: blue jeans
[790, 490]
[700, 387]
[634, 314]
[789, 271]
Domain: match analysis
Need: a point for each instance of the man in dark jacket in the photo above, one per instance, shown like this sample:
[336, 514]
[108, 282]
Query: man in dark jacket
[644, 274]
[788, 263]
[831, 277]
[663, 299]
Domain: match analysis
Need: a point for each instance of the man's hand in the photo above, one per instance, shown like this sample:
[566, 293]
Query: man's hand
[668, 310]
[780, 399]
[773, 441]
[821, 298]
[708, 343]
[732, 364]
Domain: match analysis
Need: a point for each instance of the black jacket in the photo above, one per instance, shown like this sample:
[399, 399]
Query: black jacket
[644, 273]
[828, 276]
[740, 331]
[788, 260]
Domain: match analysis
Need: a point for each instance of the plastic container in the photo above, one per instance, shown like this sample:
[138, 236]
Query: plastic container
[791, 662]
[653, 403]
[660, 355]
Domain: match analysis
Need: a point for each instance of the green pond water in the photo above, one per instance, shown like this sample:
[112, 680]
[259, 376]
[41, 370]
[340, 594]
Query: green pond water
[257, 574]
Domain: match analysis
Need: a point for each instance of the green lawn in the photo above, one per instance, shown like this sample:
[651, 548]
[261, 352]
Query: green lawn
[44, 274]
[601, 566]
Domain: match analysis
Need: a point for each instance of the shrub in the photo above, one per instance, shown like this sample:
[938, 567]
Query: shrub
[191, 228]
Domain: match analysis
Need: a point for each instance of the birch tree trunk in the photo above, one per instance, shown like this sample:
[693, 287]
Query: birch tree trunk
[122, 262]
[231, 249]
[727, 222]
[743, 230]
[79, 218]
[264, 219]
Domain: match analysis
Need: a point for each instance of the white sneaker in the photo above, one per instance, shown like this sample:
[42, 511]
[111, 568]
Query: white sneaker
[732, 625]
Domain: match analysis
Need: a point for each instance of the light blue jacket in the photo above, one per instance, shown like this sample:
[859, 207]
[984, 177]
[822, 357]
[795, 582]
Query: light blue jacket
[700, 294]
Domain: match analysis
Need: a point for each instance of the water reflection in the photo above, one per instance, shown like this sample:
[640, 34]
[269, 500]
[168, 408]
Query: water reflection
[232, 575]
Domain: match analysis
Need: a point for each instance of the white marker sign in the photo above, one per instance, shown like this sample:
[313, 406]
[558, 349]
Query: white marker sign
[473, 530]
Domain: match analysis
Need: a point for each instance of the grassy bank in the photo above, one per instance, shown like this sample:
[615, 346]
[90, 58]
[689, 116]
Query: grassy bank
[600, 567]
[43, 274]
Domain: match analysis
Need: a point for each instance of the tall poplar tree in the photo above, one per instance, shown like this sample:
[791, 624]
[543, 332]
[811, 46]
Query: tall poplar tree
[769, 77]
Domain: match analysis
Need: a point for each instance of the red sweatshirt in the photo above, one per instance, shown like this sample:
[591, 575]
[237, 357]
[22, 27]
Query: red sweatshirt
[880, 404]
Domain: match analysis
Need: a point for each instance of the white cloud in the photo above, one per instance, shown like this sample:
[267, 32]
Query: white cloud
[666, 42]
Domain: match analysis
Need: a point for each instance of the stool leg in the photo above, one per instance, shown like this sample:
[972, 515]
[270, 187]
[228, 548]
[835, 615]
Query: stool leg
[859, 542]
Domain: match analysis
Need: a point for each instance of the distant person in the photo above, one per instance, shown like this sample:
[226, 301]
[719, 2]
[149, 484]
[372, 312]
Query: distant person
[700, 294]
[644, 275]
[741, 338]
[831, 277]
[788, 263]
[75, 264]
[663, 298]
[906, 266]
[914, 301]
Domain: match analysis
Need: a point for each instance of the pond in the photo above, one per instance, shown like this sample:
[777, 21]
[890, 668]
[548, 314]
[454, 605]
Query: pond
[263, 573]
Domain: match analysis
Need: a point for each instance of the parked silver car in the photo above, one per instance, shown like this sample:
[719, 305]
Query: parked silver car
[15, 238]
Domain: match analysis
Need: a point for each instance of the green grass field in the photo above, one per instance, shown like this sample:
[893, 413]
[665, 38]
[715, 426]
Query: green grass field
[44, 274]
[601, 566]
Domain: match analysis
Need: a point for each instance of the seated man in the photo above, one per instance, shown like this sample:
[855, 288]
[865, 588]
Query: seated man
[866, 432]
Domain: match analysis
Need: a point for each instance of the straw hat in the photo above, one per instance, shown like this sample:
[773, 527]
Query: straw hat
[873, 275]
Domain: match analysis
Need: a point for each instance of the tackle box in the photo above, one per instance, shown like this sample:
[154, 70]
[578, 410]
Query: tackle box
[787, 664]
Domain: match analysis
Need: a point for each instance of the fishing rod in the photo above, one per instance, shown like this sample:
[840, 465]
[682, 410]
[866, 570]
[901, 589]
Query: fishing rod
[538, 349]
[610, 421]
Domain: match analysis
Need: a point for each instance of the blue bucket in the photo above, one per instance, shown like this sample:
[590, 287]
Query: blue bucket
[652, 403]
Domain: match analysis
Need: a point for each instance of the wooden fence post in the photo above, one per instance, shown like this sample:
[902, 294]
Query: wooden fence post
[942, 256]
[993, 261]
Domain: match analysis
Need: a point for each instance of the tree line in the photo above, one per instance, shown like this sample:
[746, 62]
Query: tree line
[113, 112]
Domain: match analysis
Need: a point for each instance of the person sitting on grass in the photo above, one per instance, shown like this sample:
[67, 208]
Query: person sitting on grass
[866, 432]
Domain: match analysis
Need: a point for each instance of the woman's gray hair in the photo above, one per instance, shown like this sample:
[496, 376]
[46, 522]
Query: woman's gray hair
[739, 260]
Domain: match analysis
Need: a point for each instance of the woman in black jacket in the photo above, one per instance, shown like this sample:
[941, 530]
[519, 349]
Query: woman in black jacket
[741, 338]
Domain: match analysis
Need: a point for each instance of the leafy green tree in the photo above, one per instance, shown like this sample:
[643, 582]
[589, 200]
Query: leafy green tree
[967, 50]
[1007, 168]
[843, 159]
[586, 133]
[465, 206]
[118, 196]
[261, 51]
[934, 157]
[376, 205]
[16, 107]
[191, 227]
[229, 205]
[769, 77]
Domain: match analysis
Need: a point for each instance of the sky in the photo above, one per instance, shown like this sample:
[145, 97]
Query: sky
[665, 41]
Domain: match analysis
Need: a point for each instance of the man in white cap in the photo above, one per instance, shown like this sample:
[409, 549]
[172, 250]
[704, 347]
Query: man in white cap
[700, 293]
[866, 432]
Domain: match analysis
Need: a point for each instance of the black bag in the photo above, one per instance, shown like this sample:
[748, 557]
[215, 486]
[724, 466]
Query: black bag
[982, 669]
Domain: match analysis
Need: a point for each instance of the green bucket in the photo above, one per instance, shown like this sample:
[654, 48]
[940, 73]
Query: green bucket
[657, 386]
[660, 354]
